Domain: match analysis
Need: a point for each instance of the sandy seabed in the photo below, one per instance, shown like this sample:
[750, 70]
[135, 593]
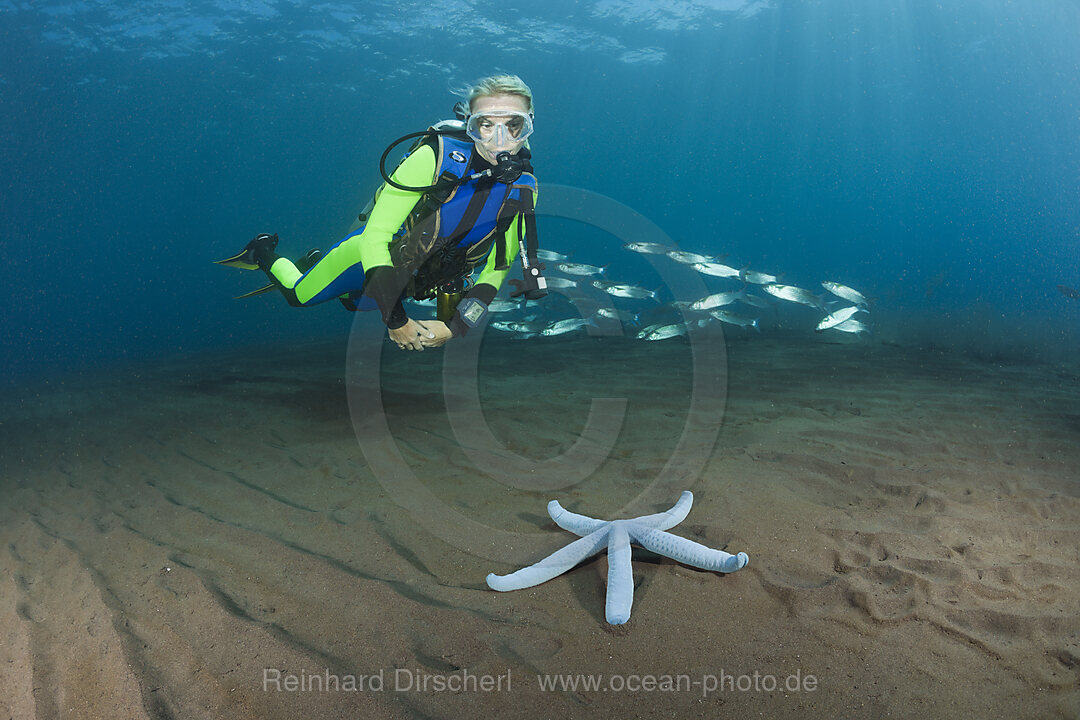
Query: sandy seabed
[235, 536]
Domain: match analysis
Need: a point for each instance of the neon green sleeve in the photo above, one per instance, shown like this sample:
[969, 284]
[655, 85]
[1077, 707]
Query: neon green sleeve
[393, 206]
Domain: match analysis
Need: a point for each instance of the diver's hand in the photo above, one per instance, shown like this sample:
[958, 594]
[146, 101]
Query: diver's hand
[439, 329]
[411, 336]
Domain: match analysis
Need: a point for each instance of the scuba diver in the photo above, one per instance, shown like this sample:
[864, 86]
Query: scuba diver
[462, 197]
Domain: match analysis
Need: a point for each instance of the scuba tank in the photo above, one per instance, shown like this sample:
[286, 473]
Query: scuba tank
[447, 298]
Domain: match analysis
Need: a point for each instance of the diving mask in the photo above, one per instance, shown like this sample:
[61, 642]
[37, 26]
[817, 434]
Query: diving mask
[499, 130]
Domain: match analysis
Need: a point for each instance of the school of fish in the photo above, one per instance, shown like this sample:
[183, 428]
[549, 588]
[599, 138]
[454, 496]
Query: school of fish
[840, 308]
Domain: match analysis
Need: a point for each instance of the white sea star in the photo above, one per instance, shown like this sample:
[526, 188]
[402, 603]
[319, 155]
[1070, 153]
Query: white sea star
[616, 535]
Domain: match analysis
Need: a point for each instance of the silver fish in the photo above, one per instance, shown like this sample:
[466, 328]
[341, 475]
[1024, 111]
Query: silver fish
[835, 318]
[734, 319]
[551, 256]
[758, 278]
[755, 301]
[497, 306]
[579, 269]
[688, 258]
[648, 248]
[559, 283]
[843, 291]
[562, 327]
[627, 318]
[684, 306]
[717, 300]
[662, 332]
[519, 326]
[624, 291]
[852, 326]
[794, 294]
[716, 269]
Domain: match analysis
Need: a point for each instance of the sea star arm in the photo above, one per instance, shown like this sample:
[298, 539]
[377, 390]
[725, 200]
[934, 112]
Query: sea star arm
[577, 524]
[620, 576]
[553, 565]
[686, 551]
[669, 518]
[583, 525]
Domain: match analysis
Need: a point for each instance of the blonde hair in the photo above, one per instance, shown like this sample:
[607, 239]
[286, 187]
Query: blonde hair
[498, 85]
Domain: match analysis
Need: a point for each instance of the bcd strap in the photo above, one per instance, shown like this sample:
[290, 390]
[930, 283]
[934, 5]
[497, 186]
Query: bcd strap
[444, 187]
[533, 285]
[531, 238]
[528, 232]
[511, 209]
[501, 262]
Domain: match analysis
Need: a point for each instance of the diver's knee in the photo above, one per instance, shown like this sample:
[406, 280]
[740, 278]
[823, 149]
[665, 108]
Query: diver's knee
[290, 297]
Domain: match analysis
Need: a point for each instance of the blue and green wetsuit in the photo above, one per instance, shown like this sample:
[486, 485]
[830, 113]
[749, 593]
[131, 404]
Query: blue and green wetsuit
[417, 241]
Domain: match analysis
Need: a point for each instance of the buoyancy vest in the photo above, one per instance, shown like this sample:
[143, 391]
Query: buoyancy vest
[452, 230]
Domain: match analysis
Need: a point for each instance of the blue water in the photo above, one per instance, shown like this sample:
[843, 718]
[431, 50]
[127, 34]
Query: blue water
[926, 153]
